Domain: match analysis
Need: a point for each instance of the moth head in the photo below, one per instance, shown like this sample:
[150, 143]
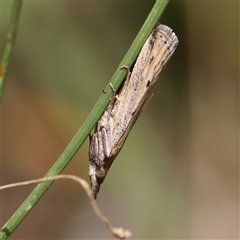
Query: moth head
[97, 176]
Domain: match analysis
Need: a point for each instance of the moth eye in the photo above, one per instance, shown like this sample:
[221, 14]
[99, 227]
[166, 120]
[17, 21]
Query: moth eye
[100, 176]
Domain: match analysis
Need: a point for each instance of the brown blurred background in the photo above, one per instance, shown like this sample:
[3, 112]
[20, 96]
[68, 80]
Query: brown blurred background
[178, 173]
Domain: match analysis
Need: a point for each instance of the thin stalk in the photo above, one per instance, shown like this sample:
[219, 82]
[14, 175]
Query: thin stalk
[11, 38]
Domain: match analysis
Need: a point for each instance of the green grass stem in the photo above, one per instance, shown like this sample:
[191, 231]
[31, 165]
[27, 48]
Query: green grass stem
[11, 38]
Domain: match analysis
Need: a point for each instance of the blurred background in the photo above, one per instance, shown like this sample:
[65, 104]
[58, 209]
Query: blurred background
[177, 175]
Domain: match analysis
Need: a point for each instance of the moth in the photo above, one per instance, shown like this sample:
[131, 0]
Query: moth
[117, 121]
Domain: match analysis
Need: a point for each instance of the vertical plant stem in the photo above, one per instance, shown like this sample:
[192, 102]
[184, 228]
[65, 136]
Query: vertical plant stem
[11, 38]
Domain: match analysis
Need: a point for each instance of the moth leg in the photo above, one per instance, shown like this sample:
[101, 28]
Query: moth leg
[106, 142]
[128, 70]
[113, 100]
[94, 149]
[113, 89]
[127, 78]
[104, 90]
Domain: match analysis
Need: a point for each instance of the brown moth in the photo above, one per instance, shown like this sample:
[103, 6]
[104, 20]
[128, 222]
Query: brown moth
[117, 121]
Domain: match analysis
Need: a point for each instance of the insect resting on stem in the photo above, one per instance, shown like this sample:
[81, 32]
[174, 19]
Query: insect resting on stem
[125, 107]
